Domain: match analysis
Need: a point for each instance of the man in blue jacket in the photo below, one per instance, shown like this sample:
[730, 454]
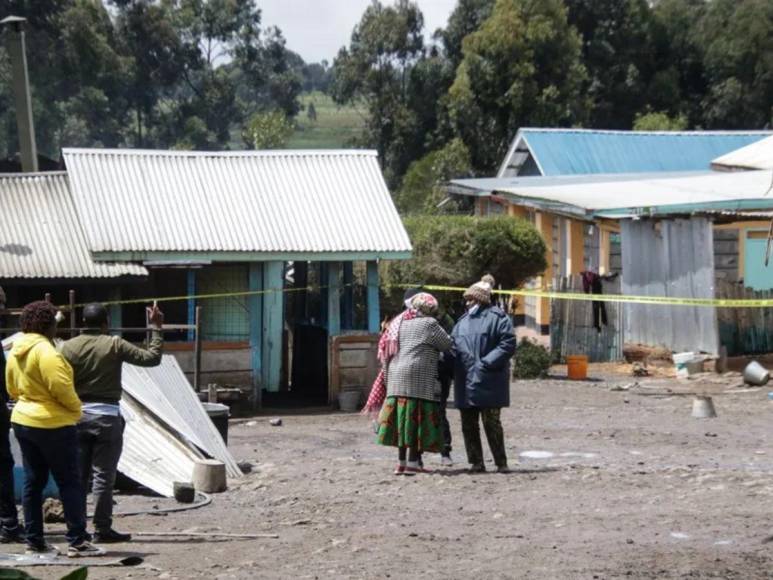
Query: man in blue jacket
[484, 343]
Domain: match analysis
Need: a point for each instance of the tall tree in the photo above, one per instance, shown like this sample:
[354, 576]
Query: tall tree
[465, 19]
[736, 37]
[160, 60]
[679, 83]
[616, 37]
[375, 69]
[521, 67]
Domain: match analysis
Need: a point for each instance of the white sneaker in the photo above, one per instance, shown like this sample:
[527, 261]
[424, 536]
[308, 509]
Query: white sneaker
[85, 550]
[446, 461]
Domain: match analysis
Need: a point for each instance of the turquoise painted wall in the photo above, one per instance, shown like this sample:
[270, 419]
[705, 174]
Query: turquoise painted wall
[756, 274]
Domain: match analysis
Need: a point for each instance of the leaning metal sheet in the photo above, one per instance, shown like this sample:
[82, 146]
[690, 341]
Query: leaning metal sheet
[152, 454]
[168, 394]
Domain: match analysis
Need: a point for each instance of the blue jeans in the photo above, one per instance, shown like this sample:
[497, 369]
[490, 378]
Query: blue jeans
[53, 451]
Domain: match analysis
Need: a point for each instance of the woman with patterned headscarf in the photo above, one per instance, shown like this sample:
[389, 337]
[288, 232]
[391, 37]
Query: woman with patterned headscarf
[410, 418]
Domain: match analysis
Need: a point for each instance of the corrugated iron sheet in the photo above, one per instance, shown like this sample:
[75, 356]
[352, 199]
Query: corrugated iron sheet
[166, 392]
[758, 155]
[583, 151]
[152, 454]
[287, 201]
[676, 261]
[40, 236]
[631, 195]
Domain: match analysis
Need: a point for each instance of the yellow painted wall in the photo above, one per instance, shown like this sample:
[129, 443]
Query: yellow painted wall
[576, 231]
[576, 246]
[544, 225]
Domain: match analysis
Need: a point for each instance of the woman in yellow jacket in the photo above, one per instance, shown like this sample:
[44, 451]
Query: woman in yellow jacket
[47, 409]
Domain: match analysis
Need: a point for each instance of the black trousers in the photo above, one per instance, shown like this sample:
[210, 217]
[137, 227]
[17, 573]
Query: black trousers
[445, 385]
[599, 315]
[53, 451]
[100, 438]
[492, 425]
[9, 516]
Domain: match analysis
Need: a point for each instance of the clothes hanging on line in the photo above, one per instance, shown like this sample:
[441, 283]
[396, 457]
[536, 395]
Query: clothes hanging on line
[592, 284]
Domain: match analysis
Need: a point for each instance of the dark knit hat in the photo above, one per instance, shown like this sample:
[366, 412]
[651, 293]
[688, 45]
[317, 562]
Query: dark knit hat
[481, 291]
[411, 292]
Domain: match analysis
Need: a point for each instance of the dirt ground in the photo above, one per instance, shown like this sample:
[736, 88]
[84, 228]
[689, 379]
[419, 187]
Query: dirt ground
[609, 484]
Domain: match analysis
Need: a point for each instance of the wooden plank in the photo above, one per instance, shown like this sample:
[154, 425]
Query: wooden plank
[374, 309]
[255, 305]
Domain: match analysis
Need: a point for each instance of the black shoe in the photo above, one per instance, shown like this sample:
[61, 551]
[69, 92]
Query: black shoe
[503, 469]
[11, 535]
[44, 549]
[477, 468]
[111, 537]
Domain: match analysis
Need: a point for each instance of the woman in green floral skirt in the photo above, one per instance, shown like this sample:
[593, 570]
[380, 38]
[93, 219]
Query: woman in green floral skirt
[410, 418]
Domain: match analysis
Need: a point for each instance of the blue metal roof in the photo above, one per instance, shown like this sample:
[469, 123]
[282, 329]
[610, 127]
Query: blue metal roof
[582, 151]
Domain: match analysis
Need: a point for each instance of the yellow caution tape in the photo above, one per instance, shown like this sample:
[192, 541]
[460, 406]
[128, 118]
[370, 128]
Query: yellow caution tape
[615, 298]
[658, 300]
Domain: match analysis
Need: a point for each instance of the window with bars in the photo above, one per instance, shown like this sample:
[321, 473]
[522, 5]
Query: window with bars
[224, 319]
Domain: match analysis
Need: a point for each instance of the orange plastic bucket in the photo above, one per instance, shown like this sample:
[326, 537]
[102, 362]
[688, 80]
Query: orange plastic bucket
[578, 367]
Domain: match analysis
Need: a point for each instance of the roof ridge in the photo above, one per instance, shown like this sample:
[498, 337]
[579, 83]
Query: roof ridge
[658, 133]
[240, 153]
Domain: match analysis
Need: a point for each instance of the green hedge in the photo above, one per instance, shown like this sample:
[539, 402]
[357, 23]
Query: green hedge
[458, 250]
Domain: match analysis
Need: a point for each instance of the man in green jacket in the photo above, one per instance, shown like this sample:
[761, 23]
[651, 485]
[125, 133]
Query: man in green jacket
[97, 359]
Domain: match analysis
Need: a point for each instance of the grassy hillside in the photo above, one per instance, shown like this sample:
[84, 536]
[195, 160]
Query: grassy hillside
[334, 128]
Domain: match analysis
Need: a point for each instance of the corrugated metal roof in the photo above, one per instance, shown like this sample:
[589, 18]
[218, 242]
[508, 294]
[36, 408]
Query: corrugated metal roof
[168, 394]
[758, 155]
[656, 194]
[484, 186]
[279, 201]
[587, 151]
[40, 236]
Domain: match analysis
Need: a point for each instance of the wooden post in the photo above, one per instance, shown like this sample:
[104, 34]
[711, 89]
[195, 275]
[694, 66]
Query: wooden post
[347, 307]
[324, 291]
[116, 313]
[334, 298]
[191, 302]
[273, 324]
[301, 281]
[73, 321]
[374, 309]
[197, 352]
[255, 302]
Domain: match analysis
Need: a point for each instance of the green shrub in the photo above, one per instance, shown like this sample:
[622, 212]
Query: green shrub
[532, 360]
[423, 186]
[458, 250]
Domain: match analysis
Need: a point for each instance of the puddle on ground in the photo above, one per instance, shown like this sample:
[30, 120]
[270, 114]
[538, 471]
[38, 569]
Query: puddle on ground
[537, 454]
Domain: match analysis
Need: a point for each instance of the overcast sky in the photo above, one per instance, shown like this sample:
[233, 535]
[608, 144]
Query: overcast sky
[316, 29]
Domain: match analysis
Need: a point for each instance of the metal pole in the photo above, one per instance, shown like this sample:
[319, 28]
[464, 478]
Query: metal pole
[21, 90]
[47, 297]
[197, 352]
[72, 314]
